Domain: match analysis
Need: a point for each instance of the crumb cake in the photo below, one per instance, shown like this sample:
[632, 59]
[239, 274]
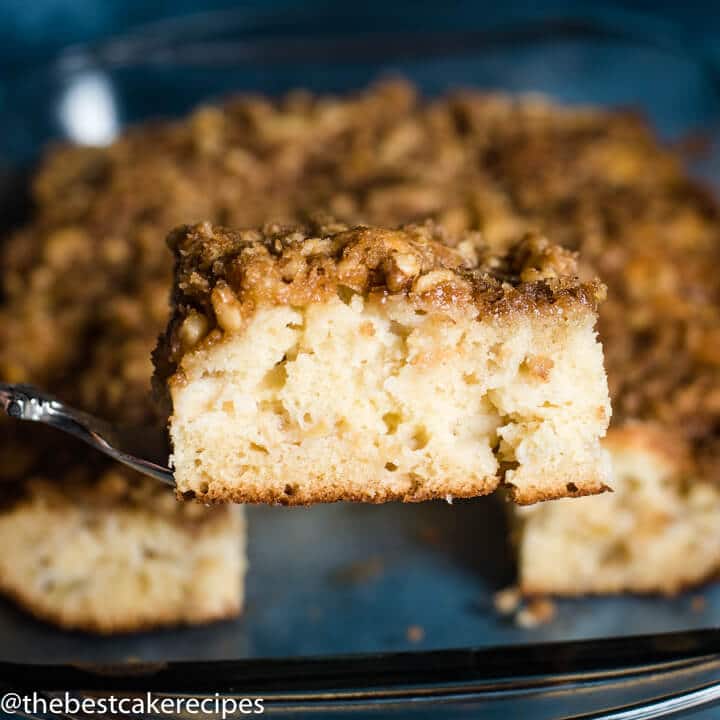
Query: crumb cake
[609, 190]
[310, 364]
[85, 283]
[113, 553]
[90, 545]
[653, 534]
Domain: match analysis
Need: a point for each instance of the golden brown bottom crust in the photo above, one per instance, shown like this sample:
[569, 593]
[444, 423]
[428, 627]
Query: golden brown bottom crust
[525, 496]
[291, 496]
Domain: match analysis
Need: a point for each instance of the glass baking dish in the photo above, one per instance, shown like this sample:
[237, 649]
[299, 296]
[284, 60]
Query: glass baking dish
[328, 624]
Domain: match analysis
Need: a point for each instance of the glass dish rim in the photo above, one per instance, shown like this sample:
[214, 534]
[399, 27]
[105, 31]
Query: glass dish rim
[376, 681]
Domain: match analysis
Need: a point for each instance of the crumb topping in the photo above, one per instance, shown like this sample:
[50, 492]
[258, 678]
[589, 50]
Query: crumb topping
[224, 275]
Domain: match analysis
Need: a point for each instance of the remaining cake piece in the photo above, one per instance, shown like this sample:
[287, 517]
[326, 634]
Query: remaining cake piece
[314, 364]
[601, 183]
[658, 532]
[113, 552]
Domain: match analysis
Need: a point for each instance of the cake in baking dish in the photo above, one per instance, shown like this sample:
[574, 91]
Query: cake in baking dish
[85, 283]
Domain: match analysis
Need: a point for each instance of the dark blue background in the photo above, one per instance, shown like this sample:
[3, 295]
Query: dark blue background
[30, 31]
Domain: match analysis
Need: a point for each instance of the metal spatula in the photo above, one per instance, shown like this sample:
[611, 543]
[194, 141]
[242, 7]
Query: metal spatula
[144, 449]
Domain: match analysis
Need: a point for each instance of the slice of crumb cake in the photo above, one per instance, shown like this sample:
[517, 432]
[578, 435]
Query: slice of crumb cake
[312, 364]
